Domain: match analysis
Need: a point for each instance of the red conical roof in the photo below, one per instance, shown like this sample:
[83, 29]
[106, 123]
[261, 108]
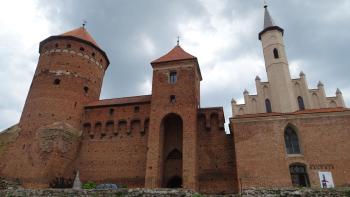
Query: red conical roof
[177, 53]
[81, 33]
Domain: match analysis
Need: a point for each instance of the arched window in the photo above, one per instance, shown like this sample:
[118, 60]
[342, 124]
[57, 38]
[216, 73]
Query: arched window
[299, 175]
[291, 140]
[268, 106]
[301, 103]
[174, 154]
[275, 53]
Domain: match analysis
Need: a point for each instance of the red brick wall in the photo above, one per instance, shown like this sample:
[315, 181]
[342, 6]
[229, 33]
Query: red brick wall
[115, 152]
[261, 156]
[48, 103]
[217, 173]
[186, 91]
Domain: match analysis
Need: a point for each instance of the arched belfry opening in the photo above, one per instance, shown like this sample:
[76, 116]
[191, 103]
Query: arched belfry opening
[172, 132]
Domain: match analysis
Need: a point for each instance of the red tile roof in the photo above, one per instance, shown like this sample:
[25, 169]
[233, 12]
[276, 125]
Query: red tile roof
[80, 33]
[121, 101]
[177, 53]
[307, 111]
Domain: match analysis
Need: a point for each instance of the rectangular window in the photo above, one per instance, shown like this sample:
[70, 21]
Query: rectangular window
[172, 77]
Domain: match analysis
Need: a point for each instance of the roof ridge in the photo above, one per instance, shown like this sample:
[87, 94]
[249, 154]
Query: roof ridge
[81, 33]
[175, 54]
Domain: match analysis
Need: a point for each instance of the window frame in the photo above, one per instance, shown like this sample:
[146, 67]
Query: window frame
[291, 141]
[172, 77]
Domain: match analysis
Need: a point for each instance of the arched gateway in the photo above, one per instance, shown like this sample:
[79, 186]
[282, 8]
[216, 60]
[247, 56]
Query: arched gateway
[171, 129]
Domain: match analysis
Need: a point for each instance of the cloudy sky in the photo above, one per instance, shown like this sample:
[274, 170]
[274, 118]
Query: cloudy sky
[222, 34]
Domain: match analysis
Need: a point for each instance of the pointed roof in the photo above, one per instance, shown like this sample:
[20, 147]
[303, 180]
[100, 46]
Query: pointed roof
[269, 24]
[268, 21]
[80, 33]
[176, 54]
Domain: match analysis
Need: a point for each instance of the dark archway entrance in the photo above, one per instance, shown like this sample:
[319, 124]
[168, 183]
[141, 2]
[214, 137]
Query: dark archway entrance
[175, 182]
[172, 151]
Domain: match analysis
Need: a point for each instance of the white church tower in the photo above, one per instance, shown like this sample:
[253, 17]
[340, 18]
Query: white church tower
[281, 93]
[282, 98]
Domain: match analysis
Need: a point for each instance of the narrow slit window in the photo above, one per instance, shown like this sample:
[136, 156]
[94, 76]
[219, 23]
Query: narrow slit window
[268, 106]
[111, 111]
[172, 99]
[275, 53]
[86, 89]
[301, 103]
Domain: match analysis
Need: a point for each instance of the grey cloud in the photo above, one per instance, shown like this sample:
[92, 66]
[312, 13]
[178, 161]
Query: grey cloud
[310, 35]
[115, 24]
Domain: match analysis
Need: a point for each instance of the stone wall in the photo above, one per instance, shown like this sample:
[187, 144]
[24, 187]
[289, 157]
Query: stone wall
[98, 193]
[342, 192]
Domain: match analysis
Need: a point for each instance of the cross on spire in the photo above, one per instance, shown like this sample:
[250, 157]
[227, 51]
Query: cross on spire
[178, 40]
[84, 23]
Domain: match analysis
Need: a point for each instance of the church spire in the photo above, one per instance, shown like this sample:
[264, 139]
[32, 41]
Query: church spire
[269, 24]
[268, 21]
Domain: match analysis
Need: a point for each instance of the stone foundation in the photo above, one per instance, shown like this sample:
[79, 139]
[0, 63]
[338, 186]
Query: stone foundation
[296, 192]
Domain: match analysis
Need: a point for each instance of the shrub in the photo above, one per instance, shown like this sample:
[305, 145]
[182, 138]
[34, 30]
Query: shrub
[123, 186]
[89, 185]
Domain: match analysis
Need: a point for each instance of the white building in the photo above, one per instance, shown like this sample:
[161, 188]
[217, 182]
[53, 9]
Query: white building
[281, 93]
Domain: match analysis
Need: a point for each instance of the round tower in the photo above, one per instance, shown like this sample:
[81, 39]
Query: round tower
[69, 75]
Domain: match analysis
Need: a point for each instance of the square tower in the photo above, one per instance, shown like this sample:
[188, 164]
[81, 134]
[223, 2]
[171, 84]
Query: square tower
[172, 142]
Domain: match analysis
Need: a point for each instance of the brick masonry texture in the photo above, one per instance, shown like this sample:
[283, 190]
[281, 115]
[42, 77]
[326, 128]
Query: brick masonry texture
[262, 160]
[154, 141]
[143, 141]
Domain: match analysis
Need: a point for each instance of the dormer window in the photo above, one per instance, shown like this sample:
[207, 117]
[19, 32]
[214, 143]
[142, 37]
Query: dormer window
[172, 77]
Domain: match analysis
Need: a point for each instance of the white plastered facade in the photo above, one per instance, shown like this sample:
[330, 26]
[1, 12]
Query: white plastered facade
[284, 94]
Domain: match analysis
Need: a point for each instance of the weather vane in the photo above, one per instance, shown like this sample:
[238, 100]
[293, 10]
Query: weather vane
[84, 23]
[178, 40]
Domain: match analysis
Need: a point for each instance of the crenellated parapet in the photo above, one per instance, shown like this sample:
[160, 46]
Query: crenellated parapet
[116, 118]
[213, 118]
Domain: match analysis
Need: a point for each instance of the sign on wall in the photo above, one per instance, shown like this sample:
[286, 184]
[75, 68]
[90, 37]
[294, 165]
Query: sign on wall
[326, 179]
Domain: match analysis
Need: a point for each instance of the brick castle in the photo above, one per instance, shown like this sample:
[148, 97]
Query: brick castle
[281, 137]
